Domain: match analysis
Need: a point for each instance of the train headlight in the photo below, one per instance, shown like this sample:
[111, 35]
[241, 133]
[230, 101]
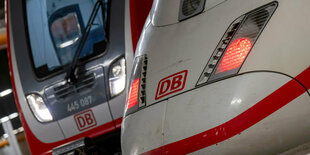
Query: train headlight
[39, 108]
[117, 77]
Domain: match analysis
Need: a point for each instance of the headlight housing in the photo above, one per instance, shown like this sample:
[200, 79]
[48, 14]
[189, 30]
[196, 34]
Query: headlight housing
[117, 77]
[136, 97]
[38, 108]
[236, 44]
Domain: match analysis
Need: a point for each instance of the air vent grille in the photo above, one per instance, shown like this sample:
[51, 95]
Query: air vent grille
[83, 83]
[86, 83]
[64, 91]
[189, 8]
[142, 94]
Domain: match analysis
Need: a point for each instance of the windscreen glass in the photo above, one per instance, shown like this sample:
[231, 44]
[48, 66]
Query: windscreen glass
[55, 28]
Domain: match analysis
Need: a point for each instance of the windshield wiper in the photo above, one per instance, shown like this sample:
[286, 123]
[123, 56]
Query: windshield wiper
[71, 71]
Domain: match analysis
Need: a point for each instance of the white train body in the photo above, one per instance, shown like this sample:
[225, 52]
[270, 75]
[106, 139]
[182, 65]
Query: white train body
[232, 77]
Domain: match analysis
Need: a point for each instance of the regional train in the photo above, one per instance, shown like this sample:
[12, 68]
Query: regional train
[68, 69]
[220, 77]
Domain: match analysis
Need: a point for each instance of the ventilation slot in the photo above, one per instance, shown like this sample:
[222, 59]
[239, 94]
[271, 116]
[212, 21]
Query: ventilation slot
[83, 83]
[142, 94]
[189, 8]
[64, 91]
[87, 82]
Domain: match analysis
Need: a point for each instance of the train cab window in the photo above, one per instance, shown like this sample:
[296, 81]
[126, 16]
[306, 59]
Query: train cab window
[55, 28]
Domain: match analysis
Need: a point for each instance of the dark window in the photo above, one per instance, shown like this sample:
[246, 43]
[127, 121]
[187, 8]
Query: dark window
[55, 28]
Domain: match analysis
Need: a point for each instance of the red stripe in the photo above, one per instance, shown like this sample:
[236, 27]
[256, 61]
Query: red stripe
[253, 115]
[304, 78]
[118, 123]
[138, 13]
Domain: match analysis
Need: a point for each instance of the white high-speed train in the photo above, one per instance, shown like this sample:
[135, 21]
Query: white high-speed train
[68, 69]
[221, 77]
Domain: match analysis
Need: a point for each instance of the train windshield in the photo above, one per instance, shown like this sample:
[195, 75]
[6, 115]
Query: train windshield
[55, 28]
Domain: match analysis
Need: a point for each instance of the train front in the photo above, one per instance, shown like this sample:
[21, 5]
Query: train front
[68, 69]
[220, 77]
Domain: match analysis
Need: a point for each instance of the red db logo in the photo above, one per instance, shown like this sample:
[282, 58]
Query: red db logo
[85, 120]
[171, 84]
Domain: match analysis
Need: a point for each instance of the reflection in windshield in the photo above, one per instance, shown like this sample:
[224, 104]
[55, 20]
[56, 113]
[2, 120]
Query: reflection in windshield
[66, 31]
[55, 28]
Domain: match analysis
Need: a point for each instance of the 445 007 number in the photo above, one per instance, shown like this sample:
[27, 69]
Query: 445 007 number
[76, 105]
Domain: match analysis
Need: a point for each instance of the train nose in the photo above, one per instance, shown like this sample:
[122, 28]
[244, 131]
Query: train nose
[237, 115]
[248, 109]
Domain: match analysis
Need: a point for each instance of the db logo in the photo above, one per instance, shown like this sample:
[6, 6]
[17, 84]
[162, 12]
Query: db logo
[171, 84]
[85, 120]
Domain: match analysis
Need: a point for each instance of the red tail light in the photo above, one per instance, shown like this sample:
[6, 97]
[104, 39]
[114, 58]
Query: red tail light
[235, 55]
[236, 44]
[136, 97]
[133, 94]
